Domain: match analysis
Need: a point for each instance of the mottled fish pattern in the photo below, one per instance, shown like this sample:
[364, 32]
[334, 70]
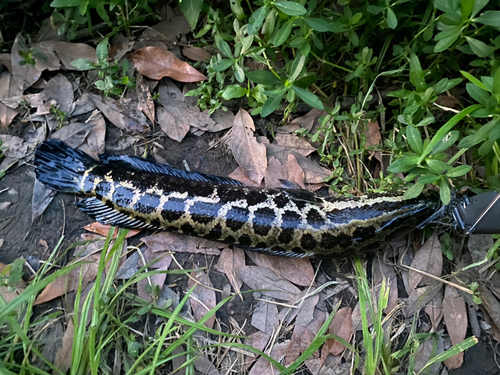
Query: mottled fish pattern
[131, 192]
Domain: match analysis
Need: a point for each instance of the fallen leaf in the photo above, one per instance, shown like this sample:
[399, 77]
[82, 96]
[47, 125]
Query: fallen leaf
[310, 120]
[63, 358]
[275, 172]
[491, 304]
[230, 262]
[174, 242]
[27, 74]
[427, 350]
[69, 52]
[428, 259]
[83, 105]
[295, 172]
[175, 116]
[303, 336]
[94, 144]
[297, 270]
[156, 63]
[257, 340]
[73, 134]
[263, 278]
[239, 175]
[121, 114]
[292, 142]
[103, 230]
[304, 311]
[69, 282]
[455, 318]
[202, 299]
[372, 134]
[420, 297]
[5, 60]
[15, 149]
[165, 259]
[7, 89]
[222, 120]
[167, 31]
[262, 366]
[203, 365]
[41, 199]
[381, 271]
[248, 153]
[11, 292]
[60, 90]
[196, 53]
[341, 326]
[435, 309]
[146, 104]
[265, 317]
[314, 173]
[120, 45]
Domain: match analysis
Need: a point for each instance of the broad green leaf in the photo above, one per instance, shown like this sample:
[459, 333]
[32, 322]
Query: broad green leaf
[445, 43]
[282, 34]
[478, 6]
[291, 8]
[257, 18]
[191, 10]
[102, 49]
[477, 94]
[414, 191]
[84, 4]
[317, 24]
[454, 350]
[446, 128]
[444, 192]
[101, 11]
[233, 91]
[82, 64]
[239, 74]
[220, 66]
[459, 171]
[428, 179]
[403, 164]
[373, 9]
[392, 20]
[480, 48]
[446, 142]
[496, 85]
[485, 148]
[308, 97]
[356, 18]
[237, 9]
[271, 105]
[445, 84]
[437, 166]
[224, 47]
[65, 3]
[263, 77]
[414, 139]
[474, 80]
[466, 7]
[297, 66]
[447, 6]
[416, 73]
[490, 18]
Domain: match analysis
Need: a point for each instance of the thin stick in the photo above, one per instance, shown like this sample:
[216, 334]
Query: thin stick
[468, 291]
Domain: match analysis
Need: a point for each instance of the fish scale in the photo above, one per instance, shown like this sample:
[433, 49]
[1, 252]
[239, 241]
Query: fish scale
[132, 192]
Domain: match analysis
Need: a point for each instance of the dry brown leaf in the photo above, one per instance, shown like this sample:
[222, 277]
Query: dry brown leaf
[202, 299]
[275, 172]
[297, 270]
[146, 104]
[382, 270]
[5, 60]
[11, 292]
[265, 317]
[165, 259]
[175, 116]
[372, 134]
[103, 230]
[264, 278]
[15, 149]
[120, 45]
[204, 366]
[435, 310]
[59, 89]
[157, 63]
[63, 357]
[455, 318]
[27, 74]
[257, 340]
[303, 336]
[121, 114]
[83, 105]
[70, 281]
[167, 31]
[248, 153]
[420, 297]
[73, 134]
[310, 120]
[223, 120]
[314, 173]
[429, 349]
[295, 172]
[41, 199]
[340, 326]
[239, 175]
[8, 89]
[230, 261]
[491, 304]
[69, 52]
[292, 142]
[94, 143]
[428, 259]
[196, 53]
[165, 241]
[262, 366]
[303, 315]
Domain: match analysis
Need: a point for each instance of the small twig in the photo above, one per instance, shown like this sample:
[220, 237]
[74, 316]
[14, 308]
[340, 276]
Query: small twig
[468, 291]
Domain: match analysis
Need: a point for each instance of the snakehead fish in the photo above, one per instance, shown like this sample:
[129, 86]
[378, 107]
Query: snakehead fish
[132, 192]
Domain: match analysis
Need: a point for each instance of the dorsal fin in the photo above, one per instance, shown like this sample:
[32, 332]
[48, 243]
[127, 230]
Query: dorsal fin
[144, 165]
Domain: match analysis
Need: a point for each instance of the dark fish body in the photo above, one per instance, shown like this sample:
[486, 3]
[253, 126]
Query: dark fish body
[131, 192]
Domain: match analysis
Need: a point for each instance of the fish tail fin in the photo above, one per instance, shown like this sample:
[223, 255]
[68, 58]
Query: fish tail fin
[60, 167]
